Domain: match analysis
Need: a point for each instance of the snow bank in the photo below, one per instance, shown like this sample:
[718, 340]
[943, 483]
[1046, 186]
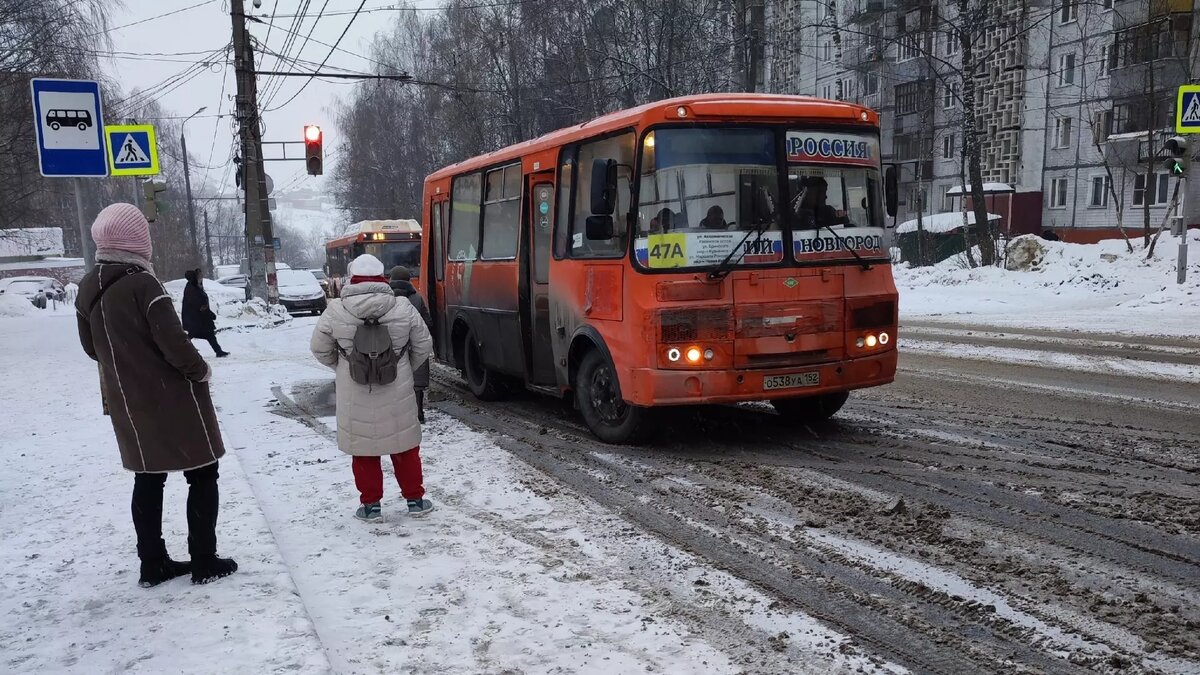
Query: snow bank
[217, 294]
[14, 305]
[1056, 284]
[940, 223]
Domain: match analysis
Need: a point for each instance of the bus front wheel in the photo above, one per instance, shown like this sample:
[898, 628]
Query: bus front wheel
[810, 409]
[486, 384]
[598, 392]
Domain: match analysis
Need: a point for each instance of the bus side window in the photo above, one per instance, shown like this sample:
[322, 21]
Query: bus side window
[562, 227]
[465, 196]
[619, 148]
[435, 238]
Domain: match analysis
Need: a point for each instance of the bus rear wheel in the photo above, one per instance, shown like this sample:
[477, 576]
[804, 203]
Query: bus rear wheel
[486, 384]
[810, 409]
[598, 392]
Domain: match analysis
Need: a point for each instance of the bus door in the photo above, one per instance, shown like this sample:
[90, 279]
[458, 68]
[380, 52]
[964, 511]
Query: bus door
[539, 216]
[435, 262]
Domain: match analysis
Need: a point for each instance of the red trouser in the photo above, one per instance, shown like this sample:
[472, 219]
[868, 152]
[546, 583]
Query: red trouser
[368, 476]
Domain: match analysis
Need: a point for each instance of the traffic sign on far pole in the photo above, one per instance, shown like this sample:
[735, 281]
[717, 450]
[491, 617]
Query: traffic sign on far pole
[132, 149]
[1187, 109]
[70, 128]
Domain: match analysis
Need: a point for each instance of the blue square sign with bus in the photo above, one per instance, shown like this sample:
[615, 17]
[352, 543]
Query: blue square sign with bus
[70, 128]
[1187, 110]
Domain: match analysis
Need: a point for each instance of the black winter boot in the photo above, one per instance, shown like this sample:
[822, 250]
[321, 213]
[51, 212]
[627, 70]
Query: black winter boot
[202, 502]
[155, 572]
[205, 570]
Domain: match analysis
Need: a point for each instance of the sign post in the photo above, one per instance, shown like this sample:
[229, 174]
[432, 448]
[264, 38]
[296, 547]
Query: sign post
[1187, 121]
[69, 123]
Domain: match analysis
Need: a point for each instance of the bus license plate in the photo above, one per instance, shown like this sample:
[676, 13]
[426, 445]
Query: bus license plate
[792, 381]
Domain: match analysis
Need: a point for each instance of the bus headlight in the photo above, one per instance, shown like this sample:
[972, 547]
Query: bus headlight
[871, 341]
[709, 354]
[884, 338]
[694, 355]
[673, 354]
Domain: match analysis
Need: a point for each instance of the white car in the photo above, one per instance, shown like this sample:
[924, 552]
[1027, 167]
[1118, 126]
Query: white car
[37, 290]
[299, 291]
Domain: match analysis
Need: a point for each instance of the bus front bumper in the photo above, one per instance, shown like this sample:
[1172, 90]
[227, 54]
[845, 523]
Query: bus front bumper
[655, 386]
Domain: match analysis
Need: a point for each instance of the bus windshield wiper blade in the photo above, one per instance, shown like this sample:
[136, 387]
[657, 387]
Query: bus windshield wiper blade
[842, 242]
[722, 270]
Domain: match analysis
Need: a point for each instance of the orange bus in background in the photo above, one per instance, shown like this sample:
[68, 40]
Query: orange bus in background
[394, 242]
[707, 249]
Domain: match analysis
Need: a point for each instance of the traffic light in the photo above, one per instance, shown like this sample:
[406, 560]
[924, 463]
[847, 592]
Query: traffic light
[313, 155]
[1176, 164]
[150, 191]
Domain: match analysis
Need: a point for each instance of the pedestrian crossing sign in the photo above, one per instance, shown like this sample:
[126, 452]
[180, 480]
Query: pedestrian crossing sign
[1187, 110]
[132, 150]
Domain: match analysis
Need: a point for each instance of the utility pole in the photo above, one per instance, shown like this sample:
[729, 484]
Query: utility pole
[259, 236]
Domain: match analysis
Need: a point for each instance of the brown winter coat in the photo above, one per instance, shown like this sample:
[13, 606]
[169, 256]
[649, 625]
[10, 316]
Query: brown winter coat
[154, 381]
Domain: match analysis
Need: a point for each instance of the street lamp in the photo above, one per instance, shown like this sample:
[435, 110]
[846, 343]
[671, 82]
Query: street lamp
[187, 184]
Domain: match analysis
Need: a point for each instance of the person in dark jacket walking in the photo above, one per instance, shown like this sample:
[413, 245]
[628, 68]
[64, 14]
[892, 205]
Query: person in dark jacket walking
[199, 321]
[156, 387]
[401, 282]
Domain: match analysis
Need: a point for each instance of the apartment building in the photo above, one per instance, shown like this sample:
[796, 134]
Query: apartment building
[1073, 97]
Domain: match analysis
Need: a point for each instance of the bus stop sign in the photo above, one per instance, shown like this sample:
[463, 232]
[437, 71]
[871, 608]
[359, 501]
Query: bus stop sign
[69, 122]
[1187, 110]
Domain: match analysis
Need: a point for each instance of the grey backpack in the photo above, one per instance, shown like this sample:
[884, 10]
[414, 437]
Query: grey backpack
[373, 360]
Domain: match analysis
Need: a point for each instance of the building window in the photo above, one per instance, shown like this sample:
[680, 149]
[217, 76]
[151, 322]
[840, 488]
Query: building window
[950, 95]
[1062, 132]
[1107, 60]
[827, 51]
[1058, 193]
[1106, 5]
[952, 43]
[1068, 11]
[947, 200]
[1159, 192]
[1066, 69]
[870, 84]
[1102, 126]
[826, 91]
[1098, 195]
[907, 97]
[910, 46]
[948, 146]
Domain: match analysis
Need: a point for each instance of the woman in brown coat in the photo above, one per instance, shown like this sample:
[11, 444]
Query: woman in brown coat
[156, 387]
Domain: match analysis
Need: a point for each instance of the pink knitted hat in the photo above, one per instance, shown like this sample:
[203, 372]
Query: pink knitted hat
[122, 227]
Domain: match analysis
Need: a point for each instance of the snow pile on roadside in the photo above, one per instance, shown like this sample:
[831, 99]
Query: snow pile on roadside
[15, 305]
[1096, 282]
[262, 314]
[218, 294]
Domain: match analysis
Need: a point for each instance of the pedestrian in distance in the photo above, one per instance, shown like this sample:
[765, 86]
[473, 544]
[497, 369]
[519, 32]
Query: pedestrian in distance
[199, 321]
[375, 341]
[155, 384]
[401, 282]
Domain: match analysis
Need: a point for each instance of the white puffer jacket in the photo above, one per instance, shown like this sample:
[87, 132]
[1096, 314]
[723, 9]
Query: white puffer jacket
[381, 419]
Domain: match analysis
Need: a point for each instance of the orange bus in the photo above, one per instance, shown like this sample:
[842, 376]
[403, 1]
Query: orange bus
[394, 242]
[707, 249]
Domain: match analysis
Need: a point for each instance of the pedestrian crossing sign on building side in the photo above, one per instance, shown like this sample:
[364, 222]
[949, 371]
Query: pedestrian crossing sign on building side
[132, 150]
[1187, 110]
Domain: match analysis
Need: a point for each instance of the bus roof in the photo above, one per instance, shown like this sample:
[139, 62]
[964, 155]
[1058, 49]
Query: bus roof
[399, 225]
[698, 108]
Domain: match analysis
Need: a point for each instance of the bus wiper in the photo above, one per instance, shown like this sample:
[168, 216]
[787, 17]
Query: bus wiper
[722, 270]
[842, 242]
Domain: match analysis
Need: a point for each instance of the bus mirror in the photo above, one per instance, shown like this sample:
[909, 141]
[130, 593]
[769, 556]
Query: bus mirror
[599, 228]
[604, 190]
[891, 190]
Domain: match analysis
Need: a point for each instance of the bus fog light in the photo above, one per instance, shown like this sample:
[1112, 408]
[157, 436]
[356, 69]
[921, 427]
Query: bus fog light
[673, 354]
[681, 111]
[693, 355]
[884, 338]
[708, 355]
[859, 343]
[871, 340]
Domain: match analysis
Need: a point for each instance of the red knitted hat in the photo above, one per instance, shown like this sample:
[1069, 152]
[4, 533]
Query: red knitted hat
[122, 227]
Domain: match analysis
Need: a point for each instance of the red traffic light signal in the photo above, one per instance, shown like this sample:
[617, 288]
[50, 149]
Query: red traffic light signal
[314, 156]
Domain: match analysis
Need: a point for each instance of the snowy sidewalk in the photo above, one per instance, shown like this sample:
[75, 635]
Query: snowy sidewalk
[512, 573]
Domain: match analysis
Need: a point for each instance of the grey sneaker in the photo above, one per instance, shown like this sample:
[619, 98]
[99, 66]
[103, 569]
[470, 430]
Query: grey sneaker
[370, 512]
[419, 507]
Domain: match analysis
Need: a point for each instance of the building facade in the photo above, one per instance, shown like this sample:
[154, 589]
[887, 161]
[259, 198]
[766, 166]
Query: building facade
[1073, 98]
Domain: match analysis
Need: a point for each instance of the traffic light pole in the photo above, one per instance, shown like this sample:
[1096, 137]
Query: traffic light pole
[1181, 262]
[259, 237]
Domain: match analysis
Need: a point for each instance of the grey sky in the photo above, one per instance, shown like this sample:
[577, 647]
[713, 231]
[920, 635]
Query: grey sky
[155, 49]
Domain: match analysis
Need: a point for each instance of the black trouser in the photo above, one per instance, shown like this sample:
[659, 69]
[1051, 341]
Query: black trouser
[201, 513]
[212, 340]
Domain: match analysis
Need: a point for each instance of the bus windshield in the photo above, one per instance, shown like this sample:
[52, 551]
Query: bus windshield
[709, 196]
[393, 253]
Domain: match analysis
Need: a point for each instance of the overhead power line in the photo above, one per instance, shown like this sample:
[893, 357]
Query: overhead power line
[326, 59]
[153, 18]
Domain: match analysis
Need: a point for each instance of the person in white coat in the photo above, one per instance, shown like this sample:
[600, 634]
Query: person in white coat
[376, 420]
